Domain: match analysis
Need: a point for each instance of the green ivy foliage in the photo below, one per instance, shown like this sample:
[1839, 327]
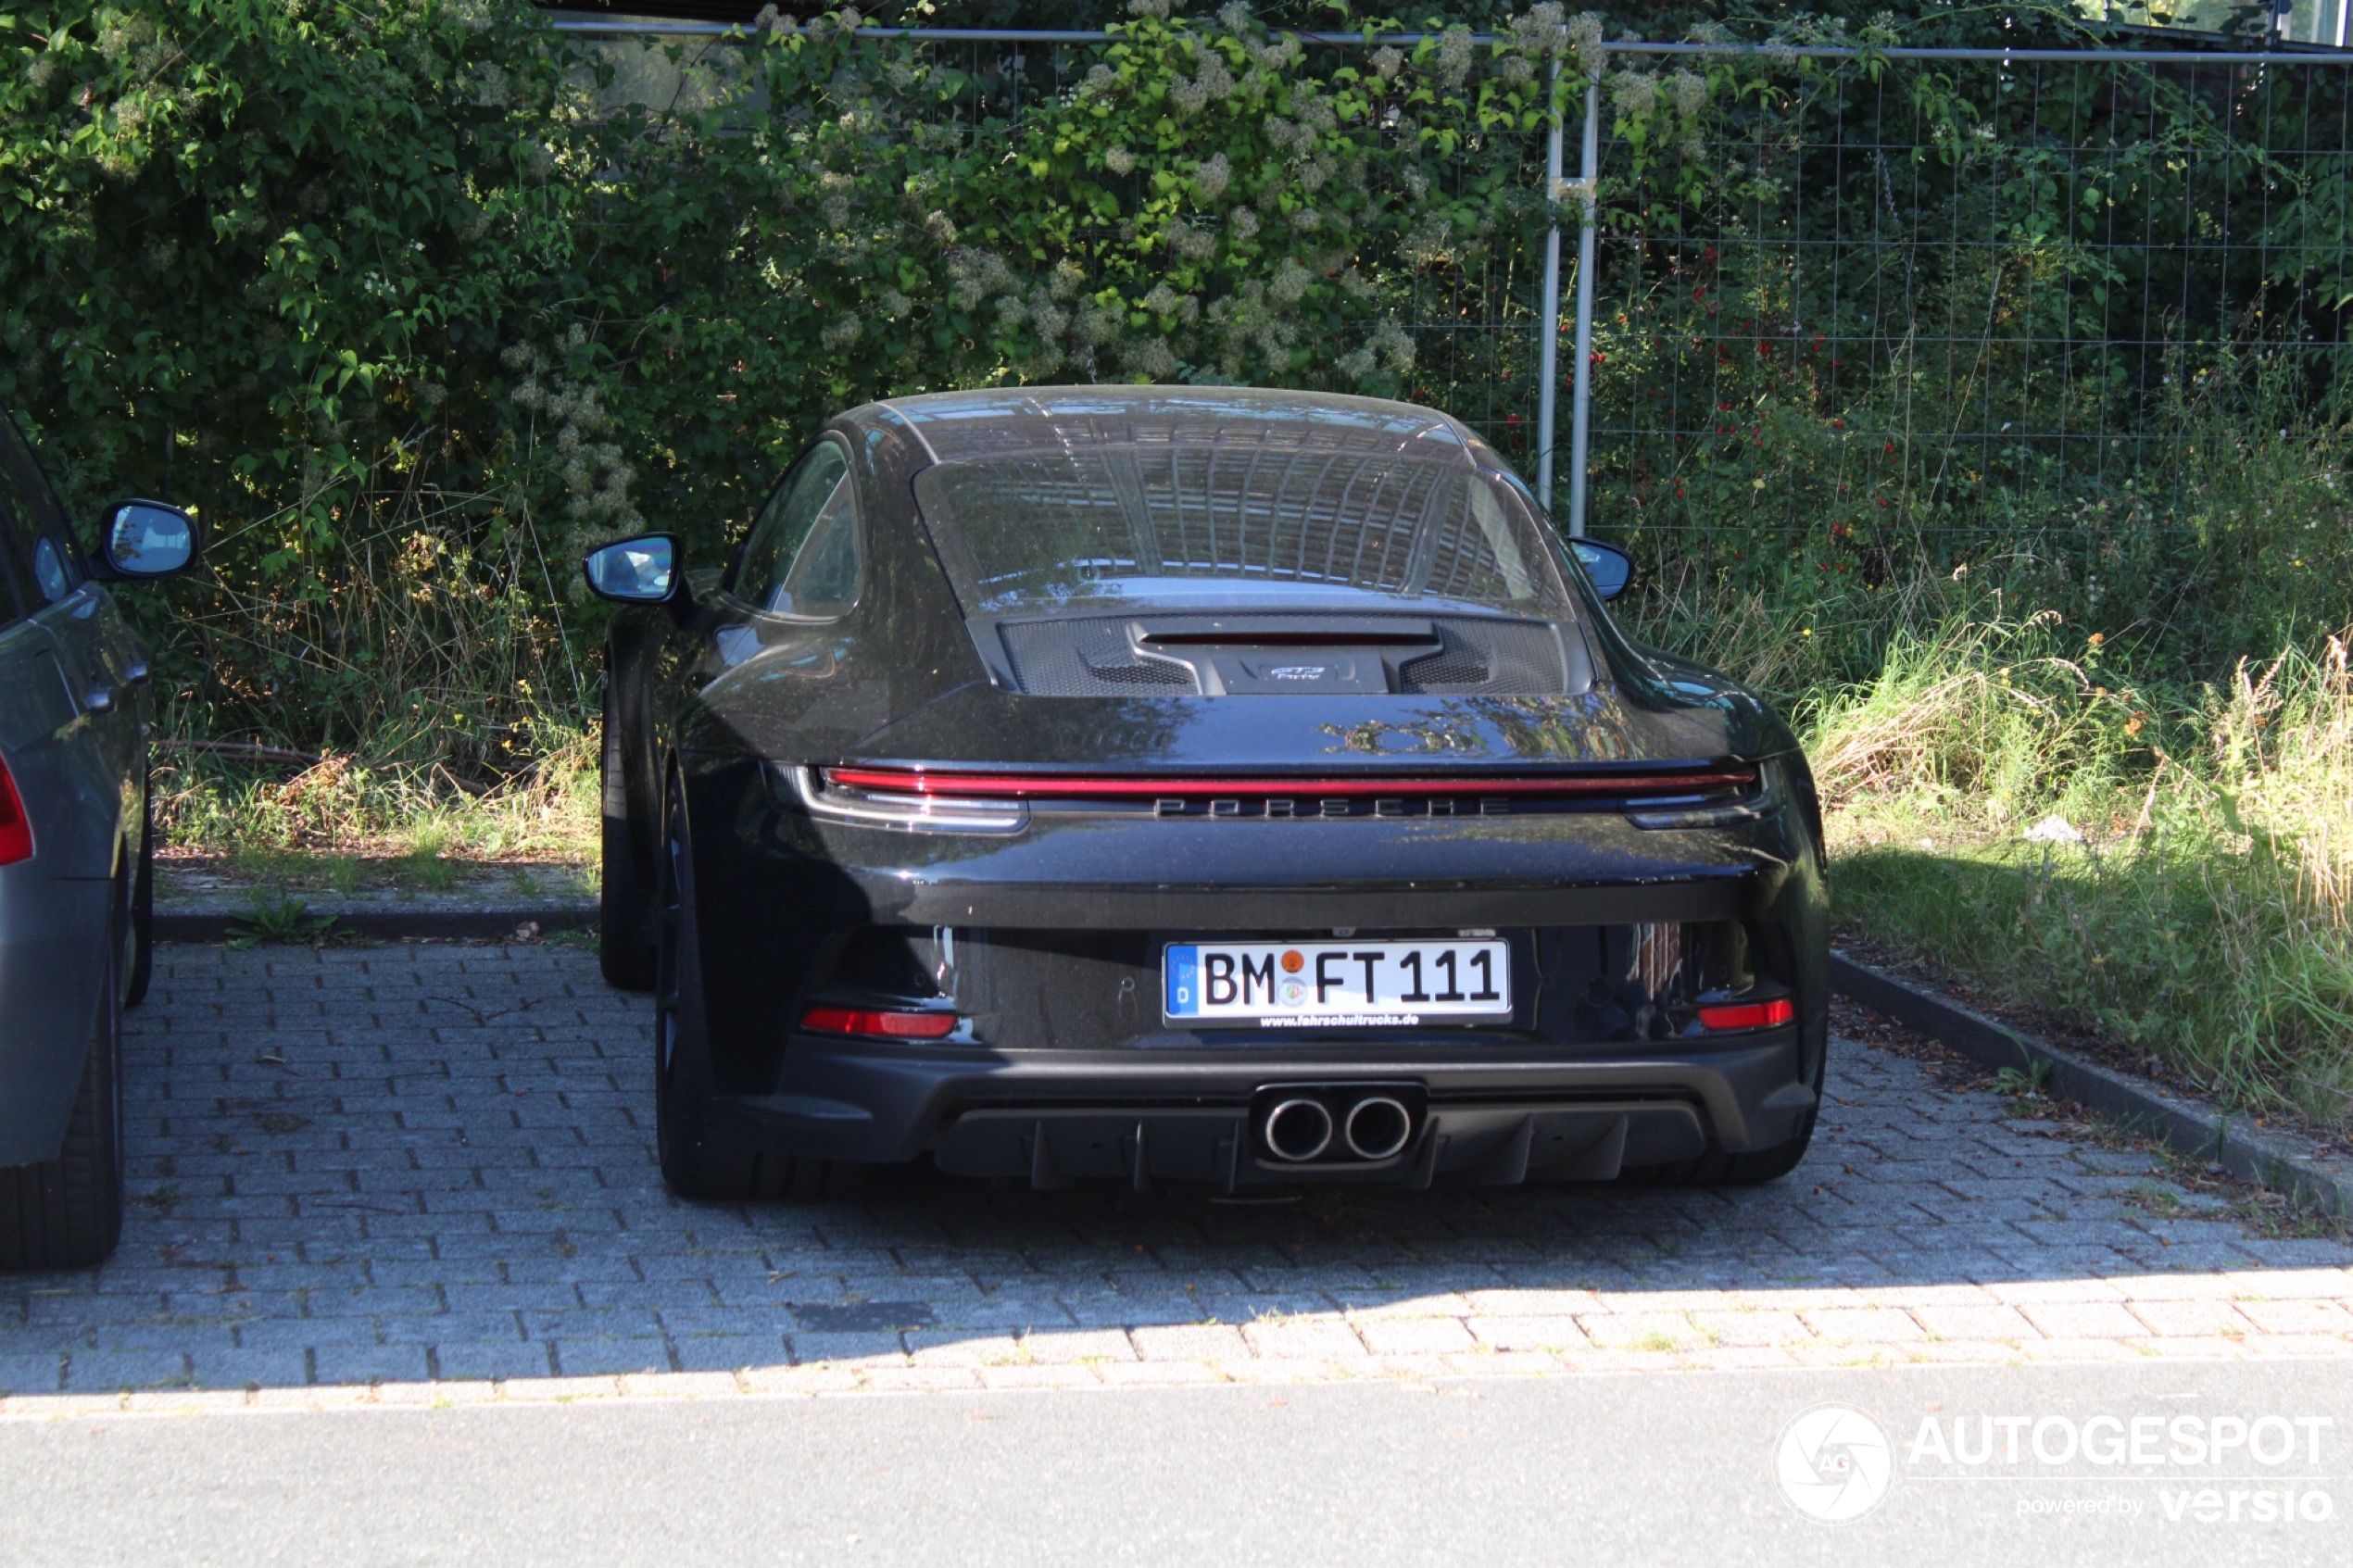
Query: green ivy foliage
[414, 306]
[393, 294]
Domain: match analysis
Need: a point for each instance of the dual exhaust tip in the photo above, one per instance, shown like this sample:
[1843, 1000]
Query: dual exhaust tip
[1301, 1128]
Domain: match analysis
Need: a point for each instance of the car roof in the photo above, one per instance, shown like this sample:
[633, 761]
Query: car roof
[958, 426]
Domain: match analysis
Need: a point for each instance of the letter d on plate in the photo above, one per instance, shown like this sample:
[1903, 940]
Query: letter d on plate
[1184, 981]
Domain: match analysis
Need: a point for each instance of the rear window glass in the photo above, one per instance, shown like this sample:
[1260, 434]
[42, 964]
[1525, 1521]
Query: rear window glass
[1226, 521]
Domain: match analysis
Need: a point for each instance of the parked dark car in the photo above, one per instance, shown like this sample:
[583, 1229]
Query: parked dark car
[76, 885]
[1211, 786]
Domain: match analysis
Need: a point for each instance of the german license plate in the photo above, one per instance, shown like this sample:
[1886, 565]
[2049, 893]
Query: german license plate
[1328, 984]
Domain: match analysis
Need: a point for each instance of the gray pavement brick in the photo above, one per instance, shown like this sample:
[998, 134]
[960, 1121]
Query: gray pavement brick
[471, 1193]
[102, 1371]
[463, 1360]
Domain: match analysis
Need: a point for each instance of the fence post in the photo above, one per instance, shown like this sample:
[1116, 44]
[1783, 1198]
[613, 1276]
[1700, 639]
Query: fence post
[1581, 408]
[1548, 350]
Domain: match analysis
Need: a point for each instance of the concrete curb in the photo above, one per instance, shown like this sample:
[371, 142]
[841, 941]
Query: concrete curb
[388, 925]
[2285, 1162]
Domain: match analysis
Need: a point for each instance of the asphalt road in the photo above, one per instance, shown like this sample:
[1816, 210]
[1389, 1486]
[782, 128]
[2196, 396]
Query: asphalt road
[1608, 1468]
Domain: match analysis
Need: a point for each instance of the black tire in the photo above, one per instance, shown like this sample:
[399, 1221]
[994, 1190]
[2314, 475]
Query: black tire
[625, 946]
[67, 1212]
[698, 1160]
[142, 914]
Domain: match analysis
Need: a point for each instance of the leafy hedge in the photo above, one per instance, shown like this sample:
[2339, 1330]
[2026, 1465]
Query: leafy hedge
[388, 293]
[413, 308]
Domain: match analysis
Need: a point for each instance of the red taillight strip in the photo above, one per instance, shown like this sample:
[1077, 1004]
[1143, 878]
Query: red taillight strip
[882, 1025]
[1033, 786]
[15, 833]
[1748, 1015]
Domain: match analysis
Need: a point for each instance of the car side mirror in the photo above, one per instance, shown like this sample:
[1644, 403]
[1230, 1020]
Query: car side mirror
[639, 570]
[1608, 568]
[142, 541]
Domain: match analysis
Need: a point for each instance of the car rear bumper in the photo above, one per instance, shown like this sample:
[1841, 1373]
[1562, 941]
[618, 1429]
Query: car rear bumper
[1049, 1117]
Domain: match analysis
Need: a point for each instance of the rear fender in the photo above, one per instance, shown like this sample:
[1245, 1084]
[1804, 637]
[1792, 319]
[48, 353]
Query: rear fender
[53, 951]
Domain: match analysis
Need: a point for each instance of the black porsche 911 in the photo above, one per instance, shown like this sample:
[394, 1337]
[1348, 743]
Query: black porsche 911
[1193, 785]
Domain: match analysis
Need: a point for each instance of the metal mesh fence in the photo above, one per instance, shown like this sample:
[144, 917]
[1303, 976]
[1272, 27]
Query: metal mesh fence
[1939, 298]
[1915, 300]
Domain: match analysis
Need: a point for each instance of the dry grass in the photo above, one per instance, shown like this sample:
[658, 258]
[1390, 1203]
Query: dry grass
[224, 806]
[2191, 899]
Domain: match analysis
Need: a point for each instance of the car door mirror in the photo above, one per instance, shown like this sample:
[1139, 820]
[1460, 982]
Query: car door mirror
[1608, 568]
[142, 541]
[641, 571]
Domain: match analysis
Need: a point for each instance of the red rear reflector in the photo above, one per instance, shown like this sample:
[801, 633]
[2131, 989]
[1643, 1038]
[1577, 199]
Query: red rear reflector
[15, 833]
[882, 1025]
[916, 781]
[1749, 1015]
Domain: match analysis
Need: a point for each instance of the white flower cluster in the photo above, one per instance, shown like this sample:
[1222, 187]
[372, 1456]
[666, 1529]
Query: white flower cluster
[1244, 319]
[1389, 348]
[1634, 94]
[1280, 54]
[1151, 359]
[1210, 82]
[1454, 55]
[1191, 242]
[835, 204]
[1388, 60]
[977, 275]
[595, 480]
[1096, 323]
[1119, 160]
[1233, 16]
[1585, 43]
[1210, 176]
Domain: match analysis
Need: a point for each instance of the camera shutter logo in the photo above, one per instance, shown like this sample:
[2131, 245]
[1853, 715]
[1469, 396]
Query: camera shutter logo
[1834, 1464]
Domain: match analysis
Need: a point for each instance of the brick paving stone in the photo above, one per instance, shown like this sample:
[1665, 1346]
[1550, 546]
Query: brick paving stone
[1414, 1336]
[1545, 1334]
[1989, 1320]
[1642, 1331]
[1751, 1328]
[470, 1192]
[2298, 1317]
[1190, 1342]
[1305, 1338]
[1848, 1325]
[1076, 1345]
[2084, 1319]
[2202, 1318]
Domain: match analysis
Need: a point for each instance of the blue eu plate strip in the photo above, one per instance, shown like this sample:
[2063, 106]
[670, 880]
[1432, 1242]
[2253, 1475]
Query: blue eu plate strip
[1183, 969]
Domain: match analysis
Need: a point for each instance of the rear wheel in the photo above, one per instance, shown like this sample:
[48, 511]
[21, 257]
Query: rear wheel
[624, 950]
[698, 1160]
[67, 1212]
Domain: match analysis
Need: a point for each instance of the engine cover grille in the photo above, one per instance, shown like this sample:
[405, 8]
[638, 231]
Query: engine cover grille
[1097, 656]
